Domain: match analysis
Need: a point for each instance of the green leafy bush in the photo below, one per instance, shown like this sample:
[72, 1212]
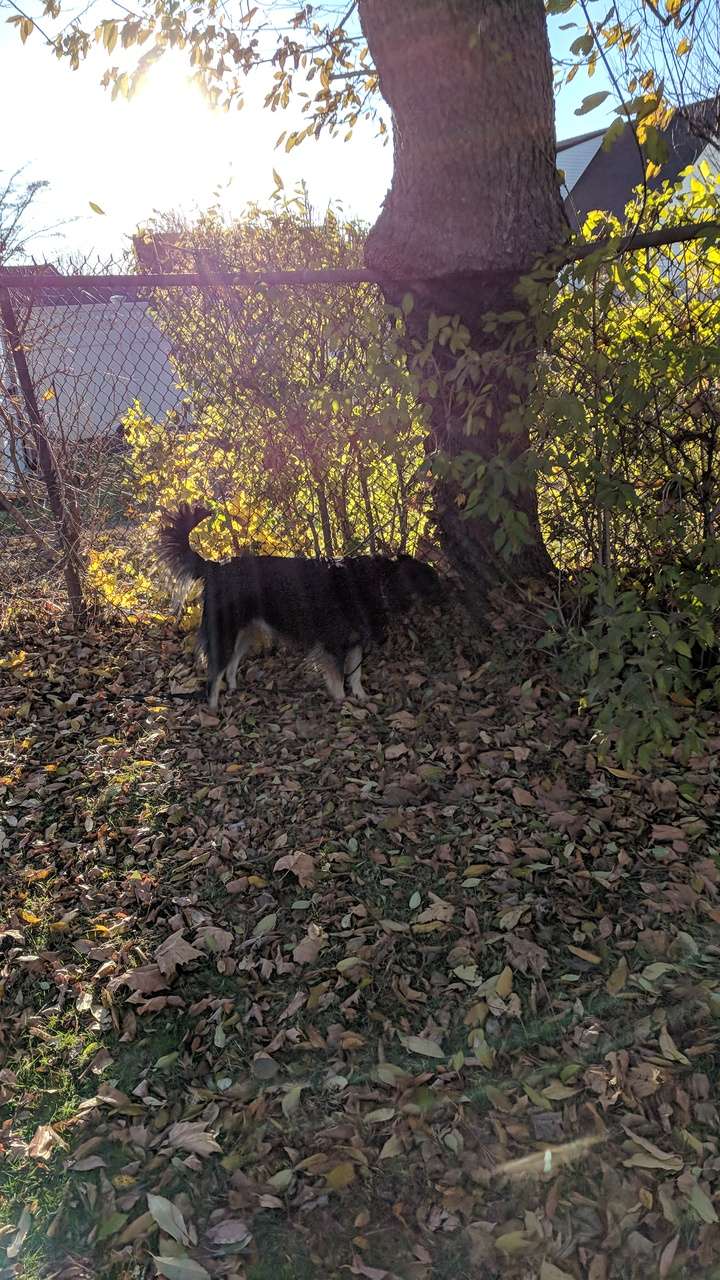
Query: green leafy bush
[623, 425]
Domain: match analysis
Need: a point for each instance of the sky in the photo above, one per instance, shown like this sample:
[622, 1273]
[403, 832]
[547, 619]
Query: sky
[166, 148]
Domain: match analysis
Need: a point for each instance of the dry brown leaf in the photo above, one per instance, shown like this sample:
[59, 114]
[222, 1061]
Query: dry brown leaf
[523, 797]
[590, 956]
[44, 1141]
[308, 950]
[171, 953]
[393, 1147]
[264, 1067]
[213, 939]
[618, 978]
[191, 1135]
[146, 978]
[300, 864]
[667, 1257]
[230, 1231]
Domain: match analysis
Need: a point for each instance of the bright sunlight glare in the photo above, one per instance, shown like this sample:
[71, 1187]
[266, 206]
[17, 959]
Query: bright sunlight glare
[164, 149]
[167, 149]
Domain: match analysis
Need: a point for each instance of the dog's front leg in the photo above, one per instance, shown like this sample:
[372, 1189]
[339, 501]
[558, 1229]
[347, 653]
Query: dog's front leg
[353, 671]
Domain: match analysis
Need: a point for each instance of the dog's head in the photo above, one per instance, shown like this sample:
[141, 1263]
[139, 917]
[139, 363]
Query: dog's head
[416, 579]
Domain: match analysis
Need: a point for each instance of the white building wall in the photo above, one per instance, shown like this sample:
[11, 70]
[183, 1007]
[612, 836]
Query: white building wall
[94, 359]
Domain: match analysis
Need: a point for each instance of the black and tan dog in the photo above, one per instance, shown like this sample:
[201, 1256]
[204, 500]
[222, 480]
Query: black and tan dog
[333, 610]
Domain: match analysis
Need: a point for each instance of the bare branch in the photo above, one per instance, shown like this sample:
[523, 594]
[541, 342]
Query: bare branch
[7, 505]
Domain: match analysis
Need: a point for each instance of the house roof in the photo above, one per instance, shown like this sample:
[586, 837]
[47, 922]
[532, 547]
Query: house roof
[30, 269]
[580, 137]
[600, 179]
[574, 156]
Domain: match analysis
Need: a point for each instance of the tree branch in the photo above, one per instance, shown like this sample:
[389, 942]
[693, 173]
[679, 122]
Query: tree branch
[7, 505]
[656, 239]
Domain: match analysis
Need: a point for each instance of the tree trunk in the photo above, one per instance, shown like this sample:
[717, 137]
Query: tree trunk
[474, 200]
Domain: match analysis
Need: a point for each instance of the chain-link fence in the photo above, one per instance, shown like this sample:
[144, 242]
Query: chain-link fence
[124, 395]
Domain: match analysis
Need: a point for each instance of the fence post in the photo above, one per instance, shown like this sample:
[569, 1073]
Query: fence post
[66, 524]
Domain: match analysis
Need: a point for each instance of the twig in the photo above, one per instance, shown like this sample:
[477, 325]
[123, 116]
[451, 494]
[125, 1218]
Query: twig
[8, 506]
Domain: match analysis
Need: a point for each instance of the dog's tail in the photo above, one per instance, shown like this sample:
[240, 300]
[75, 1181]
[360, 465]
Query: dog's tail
[175, 549]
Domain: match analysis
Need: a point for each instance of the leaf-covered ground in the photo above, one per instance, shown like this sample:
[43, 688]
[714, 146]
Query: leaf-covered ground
[411, 989]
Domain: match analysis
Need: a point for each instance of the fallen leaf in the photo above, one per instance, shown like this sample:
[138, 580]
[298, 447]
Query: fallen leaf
[14, 1248]
[110, 1225]
[618, 978]
[426, 1048]
[700, 1201]
[264, 1067]
[669, 1049]
[558, 1092]
[644, 1160]
[179, 1268]
[511, 918]
[291, 1100]
[341, 1176]
[667, 1257]
[393, 1147]
[171, 953]
[44, 1141]
[89, 1162]
[191, 1135]
[590, 956]
[360, 1268]
[230, 1231]
[515, 1242]
[266, 925]
[213, 939]
[137, 1229]
[523, 797]
[168, 1217]
[146, 978]
[549, 1271]
[300, 864]
[504, 983]
[379, 1116]
[308, 950]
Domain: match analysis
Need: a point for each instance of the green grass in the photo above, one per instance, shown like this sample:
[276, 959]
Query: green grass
[281, 1254]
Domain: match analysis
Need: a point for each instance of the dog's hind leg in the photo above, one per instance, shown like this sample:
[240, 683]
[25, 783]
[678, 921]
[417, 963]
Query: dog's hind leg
[353, 671]
[213, 691]
[242, 645]
[333, 673]
[220, 649]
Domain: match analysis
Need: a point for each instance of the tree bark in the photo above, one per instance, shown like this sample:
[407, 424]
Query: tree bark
[474, 201]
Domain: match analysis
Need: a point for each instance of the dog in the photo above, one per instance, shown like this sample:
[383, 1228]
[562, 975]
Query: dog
[333, 610]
